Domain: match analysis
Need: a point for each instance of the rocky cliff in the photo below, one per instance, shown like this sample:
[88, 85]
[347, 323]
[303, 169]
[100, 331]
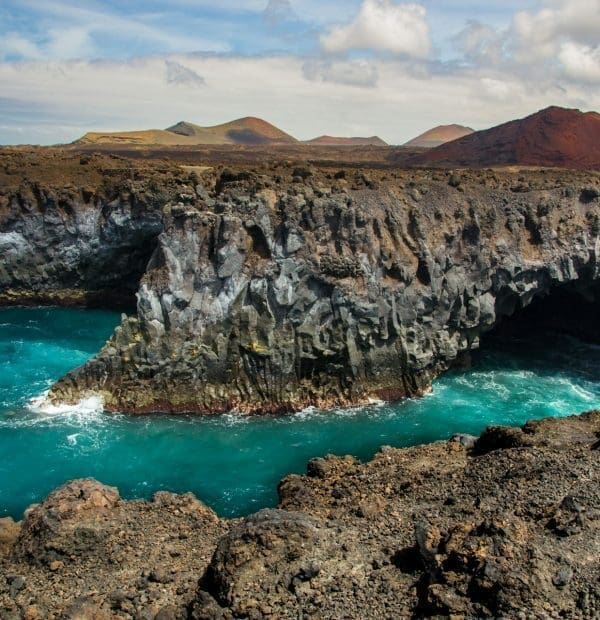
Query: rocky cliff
[76, 231]
[274, 289]
[506, 526]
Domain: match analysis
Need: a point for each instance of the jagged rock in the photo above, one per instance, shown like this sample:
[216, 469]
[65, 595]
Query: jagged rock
[9, 532]
[270, 551]
[520, 538]
[282, 296]
[269, 296]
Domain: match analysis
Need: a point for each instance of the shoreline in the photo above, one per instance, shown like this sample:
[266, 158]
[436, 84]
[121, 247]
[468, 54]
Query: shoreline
[370, 505]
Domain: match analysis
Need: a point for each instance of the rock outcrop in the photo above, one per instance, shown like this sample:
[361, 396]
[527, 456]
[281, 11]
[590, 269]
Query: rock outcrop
[503, 526]
[270, 292]
[81, 244]
[272, 288]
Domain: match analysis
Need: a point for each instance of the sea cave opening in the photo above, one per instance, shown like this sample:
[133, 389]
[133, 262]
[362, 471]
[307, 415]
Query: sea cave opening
[570, 309]
[552, 341]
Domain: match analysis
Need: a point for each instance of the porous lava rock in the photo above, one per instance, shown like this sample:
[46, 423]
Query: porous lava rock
[484, 529]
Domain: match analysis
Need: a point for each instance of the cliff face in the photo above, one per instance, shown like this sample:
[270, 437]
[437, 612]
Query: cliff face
[75, 245]
[277, 289]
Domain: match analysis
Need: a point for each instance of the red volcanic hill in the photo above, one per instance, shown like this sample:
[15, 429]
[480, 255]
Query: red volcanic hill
[336, 141]
[554, 137]
[440, 135]
[247, 130]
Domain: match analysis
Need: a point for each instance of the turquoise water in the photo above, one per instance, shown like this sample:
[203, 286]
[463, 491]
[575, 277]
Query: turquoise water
[234, 463]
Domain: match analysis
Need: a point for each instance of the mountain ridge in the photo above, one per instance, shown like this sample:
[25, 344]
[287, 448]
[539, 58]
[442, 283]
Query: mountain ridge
[326, 140]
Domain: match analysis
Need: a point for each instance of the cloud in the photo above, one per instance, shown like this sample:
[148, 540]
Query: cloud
[385, 26]
[278, 12]
[59, 101]
[352, 73]
[480, 44]
[497, 90]
[540, 35]
[181, 75]
[61, 30]
[559, 42]
[400, 86]
[15, 46]
[581, 62]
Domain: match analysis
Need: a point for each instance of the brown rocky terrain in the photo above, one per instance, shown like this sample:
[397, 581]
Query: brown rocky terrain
[507, 525]
[554, 137]
[440, 135]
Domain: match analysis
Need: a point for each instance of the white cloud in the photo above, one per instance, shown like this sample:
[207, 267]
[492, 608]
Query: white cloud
[358, 72]
[180, 75]
[13, 44]
[59, 101]
[382, 25]
[82, 32]
[540, 35]
[581, 62]
[70, 42]
[480, 44]
[498, 90]
[278, 11]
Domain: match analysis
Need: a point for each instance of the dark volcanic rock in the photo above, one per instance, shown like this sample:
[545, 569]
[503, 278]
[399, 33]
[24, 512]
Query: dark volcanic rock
[277, 297]
[269, 289]
[436, 530]
[71, 245]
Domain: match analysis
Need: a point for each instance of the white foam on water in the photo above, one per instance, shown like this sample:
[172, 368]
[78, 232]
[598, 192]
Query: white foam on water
[584, 394]
[85, 409]
[305, 413]
[233, 418]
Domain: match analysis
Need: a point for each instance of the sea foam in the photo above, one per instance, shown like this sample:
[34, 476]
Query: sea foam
[86, 407]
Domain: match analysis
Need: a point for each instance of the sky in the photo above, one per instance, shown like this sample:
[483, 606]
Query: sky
[311, 67]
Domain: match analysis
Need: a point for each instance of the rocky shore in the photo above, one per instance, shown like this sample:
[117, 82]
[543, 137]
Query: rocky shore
[506, 525]
[272, 287]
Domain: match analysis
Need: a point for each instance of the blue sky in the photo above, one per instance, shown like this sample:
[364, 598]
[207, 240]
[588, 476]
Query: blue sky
[312, 66]
[120, 30]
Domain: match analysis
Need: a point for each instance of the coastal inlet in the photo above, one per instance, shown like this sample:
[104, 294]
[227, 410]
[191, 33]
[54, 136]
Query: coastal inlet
[233, 462]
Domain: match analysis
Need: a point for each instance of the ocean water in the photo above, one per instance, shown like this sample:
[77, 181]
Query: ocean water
[234, 463]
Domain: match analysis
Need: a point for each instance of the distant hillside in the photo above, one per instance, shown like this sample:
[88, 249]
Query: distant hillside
[147, 137]
[440, 135]
[554, 137]
[336, 141]
[246, 131]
